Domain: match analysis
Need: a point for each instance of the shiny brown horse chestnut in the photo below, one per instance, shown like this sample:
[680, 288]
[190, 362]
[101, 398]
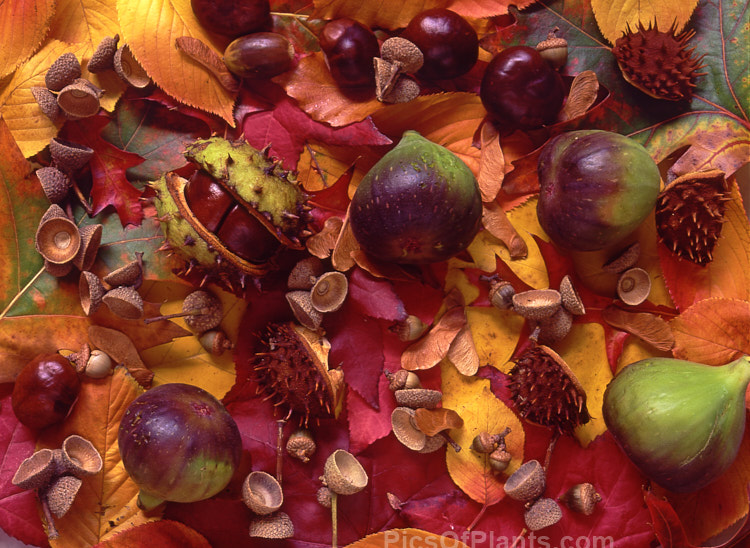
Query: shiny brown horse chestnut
[232, 17]
[259, 55]
[521, 89]
[45, 391]
[448, 42]
[349, 48]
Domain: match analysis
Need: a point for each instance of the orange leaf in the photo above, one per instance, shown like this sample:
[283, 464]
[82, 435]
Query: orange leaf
[434, 421]
[496, 222]
[150, 28]
[406, 537]
[158, 533]
[106, 502]
[491, 163]
[434, 345]
[23, 26]
[713, 331]
[613, 17]
[462, 352]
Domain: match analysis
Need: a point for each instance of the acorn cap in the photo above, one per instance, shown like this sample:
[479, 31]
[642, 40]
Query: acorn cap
[499, 459]
[130, 274]
[301, 445]
[626, 259]
[80, 358]
[304, 273]
[99, 365]
[402, 379]
[537, 304]
[61, 494]
[541, 514]
[401, 51]
[405, 428]
[343, 473]
[634, 286]
[275, 526]
[58, 240]
[36, 470]
[91, 239]
[554, 49]
[129, 69]
[527, 483]
[300, 301]
[215, 341]
[555, 328]
[571, 300]
[418, 398]
[55, 183]
[501, 294]
[62, 72]
[261, 492]
[432, 444]
[53, 211]
[484, 443]
[209, 307]
[80, 457]
[409, 329]
[124, 302]
[581, 498]
[386, 74]
[47, 102]
[404, 90]
[324, 497]
[58, 270]
[79, 99]
[104, 55]
[90, 291]
[329, 292]
[69, 156]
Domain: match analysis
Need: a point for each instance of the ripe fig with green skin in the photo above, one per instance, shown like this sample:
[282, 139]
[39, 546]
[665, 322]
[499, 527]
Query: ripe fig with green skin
[680, 422]
[419, 204]
[178, 443]
[596, 187]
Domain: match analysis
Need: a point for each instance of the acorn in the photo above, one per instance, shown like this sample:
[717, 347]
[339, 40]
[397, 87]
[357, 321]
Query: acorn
[129, 70]
[537, 304]
[581, 498]
[405, 429]
[99, 365]
[301, 444]
[79, 99]
[62, 72]
[261, 492]
[130, 274]
[91, 291]
[554, 49]
[402, 379]
[274, 526]
[300, 302]
[36, 471]
[215, 342]
[409, 329]
[499, 459]
[553, 329]
[55, 183]
[634, 286]
[343, 473]
[527, 483]
[418, 398]
[543, 513]
[402, 53]
[329, 292]
[324, 497]
[104, 56]
[405, 89]
[201, 311]
[124, 302]
[304, 273]
[484, 443]
[69, 156]
[47, 102]
[501, 294]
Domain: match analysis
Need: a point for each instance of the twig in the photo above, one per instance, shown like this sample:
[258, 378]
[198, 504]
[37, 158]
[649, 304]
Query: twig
[334, 520]
[52, 532]
[550, 448]
[279, 448]
[478, 517]
[518, 538]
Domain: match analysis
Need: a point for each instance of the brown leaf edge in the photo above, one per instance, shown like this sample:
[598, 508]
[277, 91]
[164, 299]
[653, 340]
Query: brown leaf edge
[646, 326]
[199, 52]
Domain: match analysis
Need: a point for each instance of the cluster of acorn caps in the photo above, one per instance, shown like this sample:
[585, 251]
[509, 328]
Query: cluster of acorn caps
[343, 474]
[63, 245]
[493, 445]
[527, 485]
[263, 495]
[57, 475]
[315, 292]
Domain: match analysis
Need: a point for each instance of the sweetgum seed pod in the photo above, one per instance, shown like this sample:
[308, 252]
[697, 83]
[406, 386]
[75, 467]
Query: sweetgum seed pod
[681, 423]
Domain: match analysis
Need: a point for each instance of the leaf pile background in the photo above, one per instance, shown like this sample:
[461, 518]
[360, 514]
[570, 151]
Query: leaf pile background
[331, 139]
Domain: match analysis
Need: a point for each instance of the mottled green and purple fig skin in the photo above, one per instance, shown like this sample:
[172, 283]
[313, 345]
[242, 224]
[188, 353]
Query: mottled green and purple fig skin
[420, 203]
[178, 443]
[681, 423]
[596, 188]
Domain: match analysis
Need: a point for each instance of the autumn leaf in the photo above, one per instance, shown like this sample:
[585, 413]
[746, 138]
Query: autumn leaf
[648, 327]
[432, 347]
[496, 333]
[400, 537]
[23, 26]
[162, 533]
[617, 17]
[667, 524]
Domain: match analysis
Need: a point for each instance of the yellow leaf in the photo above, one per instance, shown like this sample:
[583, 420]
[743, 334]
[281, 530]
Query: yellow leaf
[106, 503]
[614, 16]
[406, 537]
[495, 332]
[87, 22]
[23, 26]
[150, 28]
[481, 411]
[585, 352]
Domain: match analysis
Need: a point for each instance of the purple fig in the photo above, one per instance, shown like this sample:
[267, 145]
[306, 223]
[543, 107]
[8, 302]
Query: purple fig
[419, 204]
[596, 187]
[178, 443]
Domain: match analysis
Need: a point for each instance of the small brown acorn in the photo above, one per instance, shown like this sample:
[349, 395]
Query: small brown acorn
[104, 55]
[581, 498]
[554, 49]
[301, 445]
[527, 483]
[62, 72]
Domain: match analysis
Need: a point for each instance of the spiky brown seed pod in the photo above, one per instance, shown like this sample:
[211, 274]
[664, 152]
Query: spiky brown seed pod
[690, 214]
[658, 63]
[62, 72]
[103, 57]
[545, 391]
[293, 372]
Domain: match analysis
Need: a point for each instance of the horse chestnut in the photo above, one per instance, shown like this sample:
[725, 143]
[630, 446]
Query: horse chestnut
[521, 88]
[232, 17]
[259, 55]
[45, 391]
[349, 48]
[448, 42]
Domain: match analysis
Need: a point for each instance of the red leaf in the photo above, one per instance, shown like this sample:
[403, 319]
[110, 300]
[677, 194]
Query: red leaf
[667, 525]
[164, 533]
[110, 186]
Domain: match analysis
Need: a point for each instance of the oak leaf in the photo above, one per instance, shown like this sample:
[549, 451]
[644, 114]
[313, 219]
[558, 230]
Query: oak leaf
[616, 17]
[23, 26]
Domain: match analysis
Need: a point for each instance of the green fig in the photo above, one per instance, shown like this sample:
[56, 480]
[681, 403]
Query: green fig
[419, 204]
[596, 187]
[680, 422]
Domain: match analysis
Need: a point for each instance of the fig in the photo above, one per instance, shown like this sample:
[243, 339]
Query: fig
[418, 204]
[178, 443]
[681, 423]
[596, 187]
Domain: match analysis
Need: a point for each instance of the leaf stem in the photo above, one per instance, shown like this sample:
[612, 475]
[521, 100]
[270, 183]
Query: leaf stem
[477, 518]
[334, 520]
[279, 451]
[52, 532]
[21, 293]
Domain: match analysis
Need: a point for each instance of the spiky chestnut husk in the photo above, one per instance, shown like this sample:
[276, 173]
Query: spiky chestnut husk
[690, 214]
[545, 391]
[658, 63]
[293, 373]
[257, 185]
